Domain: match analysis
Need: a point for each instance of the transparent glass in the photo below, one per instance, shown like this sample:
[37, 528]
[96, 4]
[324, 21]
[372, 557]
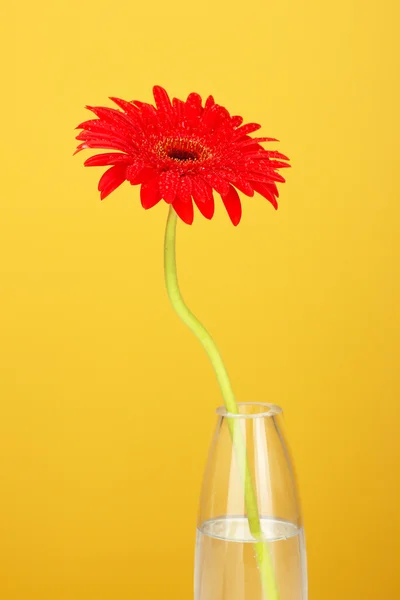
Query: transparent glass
[226, 566]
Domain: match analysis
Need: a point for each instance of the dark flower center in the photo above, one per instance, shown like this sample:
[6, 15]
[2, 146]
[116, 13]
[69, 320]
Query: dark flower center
[182, 154]
[183, 149]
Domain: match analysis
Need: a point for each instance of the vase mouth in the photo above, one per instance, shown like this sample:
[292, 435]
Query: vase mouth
[251, 410]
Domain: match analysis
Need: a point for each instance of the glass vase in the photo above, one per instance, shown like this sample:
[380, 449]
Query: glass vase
[250, 539]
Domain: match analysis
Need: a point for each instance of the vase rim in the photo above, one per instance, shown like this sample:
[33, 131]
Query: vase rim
[262, 410]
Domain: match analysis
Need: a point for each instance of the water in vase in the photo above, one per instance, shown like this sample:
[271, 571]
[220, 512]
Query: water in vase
[226, 567]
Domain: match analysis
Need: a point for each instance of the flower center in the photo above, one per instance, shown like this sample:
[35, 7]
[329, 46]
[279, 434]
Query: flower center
[183, 149]
[180, 154]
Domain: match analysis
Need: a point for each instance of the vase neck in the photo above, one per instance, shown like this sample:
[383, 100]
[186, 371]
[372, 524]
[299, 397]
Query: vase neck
[251, 410]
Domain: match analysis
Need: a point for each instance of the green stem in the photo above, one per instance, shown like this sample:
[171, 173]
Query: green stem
[262, 550]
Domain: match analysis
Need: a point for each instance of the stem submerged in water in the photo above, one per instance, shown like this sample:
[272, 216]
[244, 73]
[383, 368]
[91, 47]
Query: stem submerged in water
[262, 551]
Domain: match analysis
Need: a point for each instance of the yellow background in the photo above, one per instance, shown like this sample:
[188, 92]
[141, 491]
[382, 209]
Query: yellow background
[107, 402]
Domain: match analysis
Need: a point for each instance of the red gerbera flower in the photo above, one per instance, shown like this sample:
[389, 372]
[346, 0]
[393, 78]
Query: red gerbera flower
[181, 152]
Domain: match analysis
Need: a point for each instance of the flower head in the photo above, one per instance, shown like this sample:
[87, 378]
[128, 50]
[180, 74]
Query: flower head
[181, 152]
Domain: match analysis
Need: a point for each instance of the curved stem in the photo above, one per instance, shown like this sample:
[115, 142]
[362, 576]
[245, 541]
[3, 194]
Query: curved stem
[262, 550]
[186, 315]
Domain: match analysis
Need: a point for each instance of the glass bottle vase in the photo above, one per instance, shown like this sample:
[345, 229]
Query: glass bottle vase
[250, 538]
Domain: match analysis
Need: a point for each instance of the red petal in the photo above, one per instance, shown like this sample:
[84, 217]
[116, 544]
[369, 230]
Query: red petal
[101, 111]
[138, 174]
[191, 115]
[168, 185]
[266, 191]
[219, 184]
[104, 132]
[252, 150]
[184, 210]
[194, 100]
[275, 164]
[150, 193]
[104, 144]
[201, 191]
[162, 100]
[275, 154]
[242, 184]
[145, 108]
[236, 121]
[108, 140]
[112, 116]
[215, 117]
[267, 163]
[81, 147]
[248, 141]
[273, 187]
[233, 205]
[111, 158]
[179, 106]
[193, 109]
[129, 108]
[209, 102]
[184, 191]
[111, 179]
[203, 197]
[97, 126]
[132, 172]
[206, 208]
[209, 115]
[246, 129]
[266, 176]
